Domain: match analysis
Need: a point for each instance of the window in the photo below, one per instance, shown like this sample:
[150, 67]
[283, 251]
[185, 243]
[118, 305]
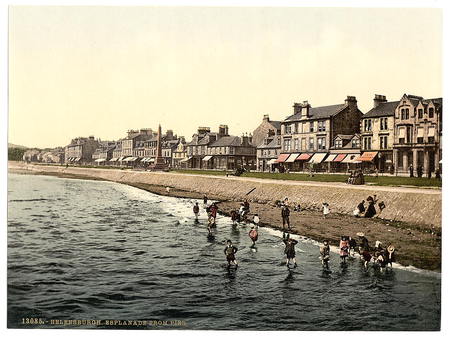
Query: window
[338, 143]
[383, 123]
[321, 143]
[430, 112]
[296, 127]
[288, 129]
[296, 144]
[287, 145]
[321, 126]
[406, 113]
[420, 113]
[383, 142]
[303, 144]
[355, 143]
[367, 125]
[367, 143]
[311, 126]
[311, 144]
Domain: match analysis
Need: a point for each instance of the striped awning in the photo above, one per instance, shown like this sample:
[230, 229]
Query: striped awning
[99, 160]
[367, 156]
[317, 158]
[114, 159]
[282, 157]
[340, 157]
[206, 158]
[350, 158]
[185, 159]
[304, 156]
[292, 157]
[272, 161]
[330, 157]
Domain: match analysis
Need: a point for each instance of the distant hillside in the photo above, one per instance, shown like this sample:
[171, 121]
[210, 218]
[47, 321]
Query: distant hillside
[10, 146]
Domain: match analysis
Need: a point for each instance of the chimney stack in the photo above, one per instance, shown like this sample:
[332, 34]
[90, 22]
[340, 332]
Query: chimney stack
[378, 100]
[266, 118]
[223, 130]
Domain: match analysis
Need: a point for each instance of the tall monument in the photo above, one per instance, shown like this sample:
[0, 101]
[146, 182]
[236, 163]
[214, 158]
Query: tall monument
[160, 164]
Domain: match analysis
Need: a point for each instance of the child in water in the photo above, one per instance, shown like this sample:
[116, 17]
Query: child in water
[196, 210]
[325, 254]
[253, 234]
[289, 250]
[230, 252]
[344, 248]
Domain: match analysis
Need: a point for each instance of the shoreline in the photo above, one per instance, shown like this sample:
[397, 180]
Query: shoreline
[415, 246]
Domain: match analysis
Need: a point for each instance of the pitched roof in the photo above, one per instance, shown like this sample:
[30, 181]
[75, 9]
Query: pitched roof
[228, 141]
[276, 124]
[272, 144]
[319, 112]
[383, 109]
[346, 137]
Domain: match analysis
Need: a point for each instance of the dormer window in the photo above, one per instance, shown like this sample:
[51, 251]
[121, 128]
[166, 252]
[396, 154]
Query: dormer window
[420, 113]
[338, 143]
[431, 112]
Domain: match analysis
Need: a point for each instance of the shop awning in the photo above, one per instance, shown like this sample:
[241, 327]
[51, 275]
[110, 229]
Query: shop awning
[292, 157]
[431, 132]
[185, 159]
[99, 160]
[304, 156]
[121, 159]
[282, 157]
[350, 158]
[330, 158]
[272, 161]
[114, 159]
[317, 158]
[367, 156]
[77, 159]
[129, 159]
[206, 158]
[340, 157]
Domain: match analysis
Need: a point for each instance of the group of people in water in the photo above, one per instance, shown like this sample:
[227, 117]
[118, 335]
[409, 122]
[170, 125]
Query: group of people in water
[348, 246]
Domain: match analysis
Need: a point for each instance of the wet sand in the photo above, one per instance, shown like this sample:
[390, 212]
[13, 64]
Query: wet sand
[415, 245]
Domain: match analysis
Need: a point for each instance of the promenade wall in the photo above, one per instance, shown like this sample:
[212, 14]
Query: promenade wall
[411, 205]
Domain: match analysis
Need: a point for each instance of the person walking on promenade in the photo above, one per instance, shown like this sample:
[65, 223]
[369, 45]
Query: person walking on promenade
[325, 209]
[285, 213]
[196, 210]
[411, 171]
[205, 200]
[289, 250]
[344, 249]
[230, 252]
[325, 254]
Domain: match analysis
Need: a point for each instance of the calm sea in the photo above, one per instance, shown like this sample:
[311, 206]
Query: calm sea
[92, 250]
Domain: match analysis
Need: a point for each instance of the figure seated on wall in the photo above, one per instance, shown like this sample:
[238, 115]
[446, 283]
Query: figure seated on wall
[238, 172]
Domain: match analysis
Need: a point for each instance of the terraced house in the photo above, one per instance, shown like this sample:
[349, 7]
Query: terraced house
[417, 137]
[307, 135]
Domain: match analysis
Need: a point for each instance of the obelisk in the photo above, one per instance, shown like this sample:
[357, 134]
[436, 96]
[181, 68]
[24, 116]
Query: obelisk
[160, 164]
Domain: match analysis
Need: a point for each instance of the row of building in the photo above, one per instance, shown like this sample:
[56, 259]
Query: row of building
[397, 137]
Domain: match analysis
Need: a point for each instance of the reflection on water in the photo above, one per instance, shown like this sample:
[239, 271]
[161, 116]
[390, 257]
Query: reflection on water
[99, 250]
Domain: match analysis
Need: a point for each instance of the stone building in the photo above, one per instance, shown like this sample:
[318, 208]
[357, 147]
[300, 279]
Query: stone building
[344, 153]
[230, 153]
[80, 150]
[377, 134]
[197, 147]
[134, 136]
[417, 136]
[307, 135]
[266, 128]
[267, 152]
[104, 152]
[179, 155]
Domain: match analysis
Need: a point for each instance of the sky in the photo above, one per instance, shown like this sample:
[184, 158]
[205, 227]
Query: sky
[81, 71]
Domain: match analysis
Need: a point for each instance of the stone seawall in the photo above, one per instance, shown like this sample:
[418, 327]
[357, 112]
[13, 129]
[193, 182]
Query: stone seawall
[412, 205]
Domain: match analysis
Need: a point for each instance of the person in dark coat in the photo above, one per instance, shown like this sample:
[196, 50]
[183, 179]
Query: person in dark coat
[289, 250]
[411, 171]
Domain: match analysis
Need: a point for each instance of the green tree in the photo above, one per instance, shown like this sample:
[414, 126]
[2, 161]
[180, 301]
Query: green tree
[15, 153]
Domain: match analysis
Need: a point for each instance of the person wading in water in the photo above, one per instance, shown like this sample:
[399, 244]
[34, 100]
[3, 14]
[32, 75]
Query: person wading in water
[253, 234]
[230, 252]
[325, 254]
[289, 250]
[196, 210]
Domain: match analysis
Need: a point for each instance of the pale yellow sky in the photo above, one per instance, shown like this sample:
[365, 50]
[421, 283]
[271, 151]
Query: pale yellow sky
[80, 71]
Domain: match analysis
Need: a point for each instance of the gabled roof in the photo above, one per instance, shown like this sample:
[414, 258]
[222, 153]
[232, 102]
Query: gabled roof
[276, 124]
[273, 144]
[319, 112]
[228, 141]
[383, 109]
[346, 137]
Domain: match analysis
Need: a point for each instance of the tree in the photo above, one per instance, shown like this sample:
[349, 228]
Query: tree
[15, 153]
